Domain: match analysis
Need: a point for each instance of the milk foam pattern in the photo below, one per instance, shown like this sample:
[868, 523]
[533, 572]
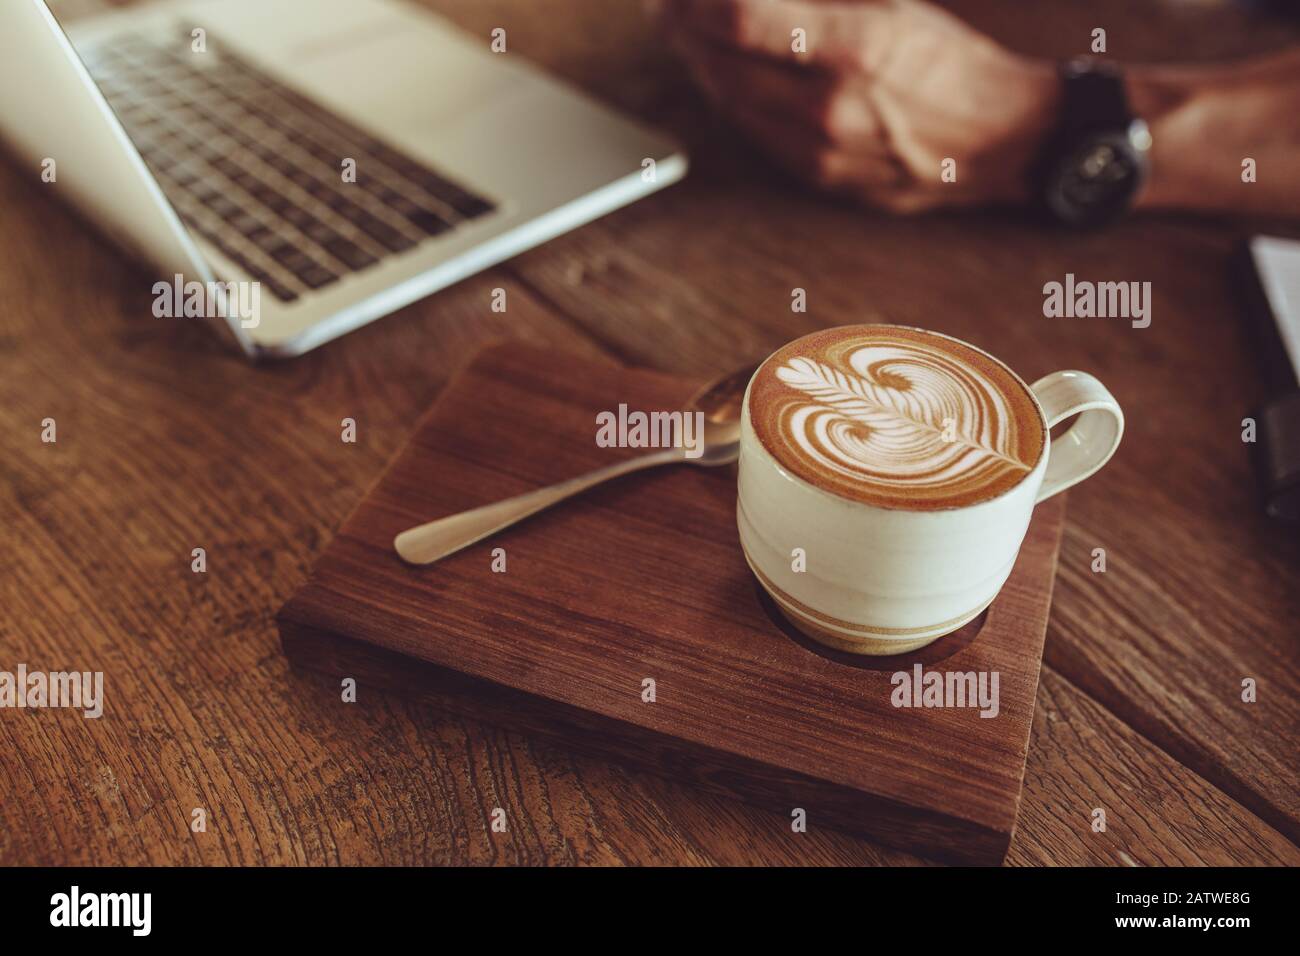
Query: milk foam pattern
[899, 419]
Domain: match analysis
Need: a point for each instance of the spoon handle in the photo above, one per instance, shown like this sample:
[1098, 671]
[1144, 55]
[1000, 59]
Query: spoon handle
[427, 543]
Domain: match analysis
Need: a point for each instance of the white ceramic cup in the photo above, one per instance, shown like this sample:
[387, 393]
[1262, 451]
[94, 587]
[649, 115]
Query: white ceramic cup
[882, 580]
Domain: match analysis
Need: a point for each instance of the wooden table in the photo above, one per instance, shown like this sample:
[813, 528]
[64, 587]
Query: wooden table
[166, 442]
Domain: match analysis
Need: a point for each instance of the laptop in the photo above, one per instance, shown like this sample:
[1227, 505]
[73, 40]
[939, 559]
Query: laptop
[342, 158]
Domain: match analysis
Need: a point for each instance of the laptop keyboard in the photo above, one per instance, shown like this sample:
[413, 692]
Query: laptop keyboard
[261, 172]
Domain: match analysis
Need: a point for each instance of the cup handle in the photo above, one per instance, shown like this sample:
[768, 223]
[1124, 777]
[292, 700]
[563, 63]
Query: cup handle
[1090, 441]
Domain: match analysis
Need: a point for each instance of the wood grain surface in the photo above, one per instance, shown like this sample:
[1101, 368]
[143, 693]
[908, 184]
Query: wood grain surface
[166, 443]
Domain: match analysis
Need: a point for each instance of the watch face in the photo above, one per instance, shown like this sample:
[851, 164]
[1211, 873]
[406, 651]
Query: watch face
[1098, 179]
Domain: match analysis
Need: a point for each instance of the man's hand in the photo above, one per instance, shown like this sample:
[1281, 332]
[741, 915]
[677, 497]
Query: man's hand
[878, 95]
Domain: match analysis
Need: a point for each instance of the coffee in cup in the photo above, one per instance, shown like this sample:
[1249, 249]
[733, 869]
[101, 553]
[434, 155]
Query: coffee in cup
[888, 475]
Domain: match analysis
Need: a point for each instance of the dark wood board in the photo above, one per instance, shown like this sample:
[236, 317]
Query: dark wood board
[644, 578]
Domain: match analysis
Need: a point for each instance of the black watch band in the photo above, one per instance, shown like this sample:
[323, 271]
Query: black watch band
[1094, 164]
[1092, 98]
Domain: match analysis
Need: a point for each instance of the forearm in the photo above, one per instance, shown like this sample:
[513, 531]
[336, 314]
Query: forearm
[1207, 121]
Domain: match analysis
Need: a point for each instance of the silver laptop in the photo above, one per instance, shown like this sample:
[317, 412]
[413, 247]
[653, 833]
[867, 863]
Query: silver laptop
[344, 157]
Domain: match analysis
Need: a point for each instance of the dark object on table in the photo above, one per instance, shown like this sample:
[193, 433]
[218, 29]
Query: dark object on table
[1269, 271]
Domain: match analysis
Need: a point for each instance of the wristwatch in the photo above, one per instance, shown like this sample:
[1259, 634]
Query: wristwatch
[1095, 162]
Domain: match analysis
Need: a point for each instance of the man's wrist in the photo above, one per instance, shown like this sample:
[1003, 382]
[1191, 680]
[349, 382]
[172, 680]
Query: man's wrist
[1208, 121]
[1155, 95]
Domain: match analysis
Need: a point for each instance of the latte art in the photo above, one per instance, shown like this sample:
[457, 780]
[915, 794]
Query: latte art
[896, 417]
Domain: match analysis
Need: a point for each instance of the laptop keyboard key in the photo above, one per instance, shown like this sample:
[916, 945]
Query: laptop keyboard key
[381, 232]
[349, 253]
[428, 222]
[316, 277]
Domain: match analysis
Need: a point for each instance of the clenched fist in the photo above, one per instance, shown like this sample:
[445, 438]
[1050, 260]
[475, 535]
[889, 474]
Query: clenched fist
[872, 98]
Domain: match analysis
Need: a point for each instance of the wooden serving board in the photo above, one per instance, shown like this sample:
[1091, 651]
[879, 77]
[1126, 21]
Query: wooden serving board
[644, 579]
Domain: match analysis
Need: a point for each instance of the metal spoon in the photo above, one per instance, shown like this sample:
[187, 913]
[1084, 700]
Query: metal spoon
[720, 401]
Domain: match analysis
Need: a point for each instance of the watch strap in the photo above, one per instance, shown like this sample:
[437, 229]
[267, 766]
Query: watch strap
[1093, 98]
